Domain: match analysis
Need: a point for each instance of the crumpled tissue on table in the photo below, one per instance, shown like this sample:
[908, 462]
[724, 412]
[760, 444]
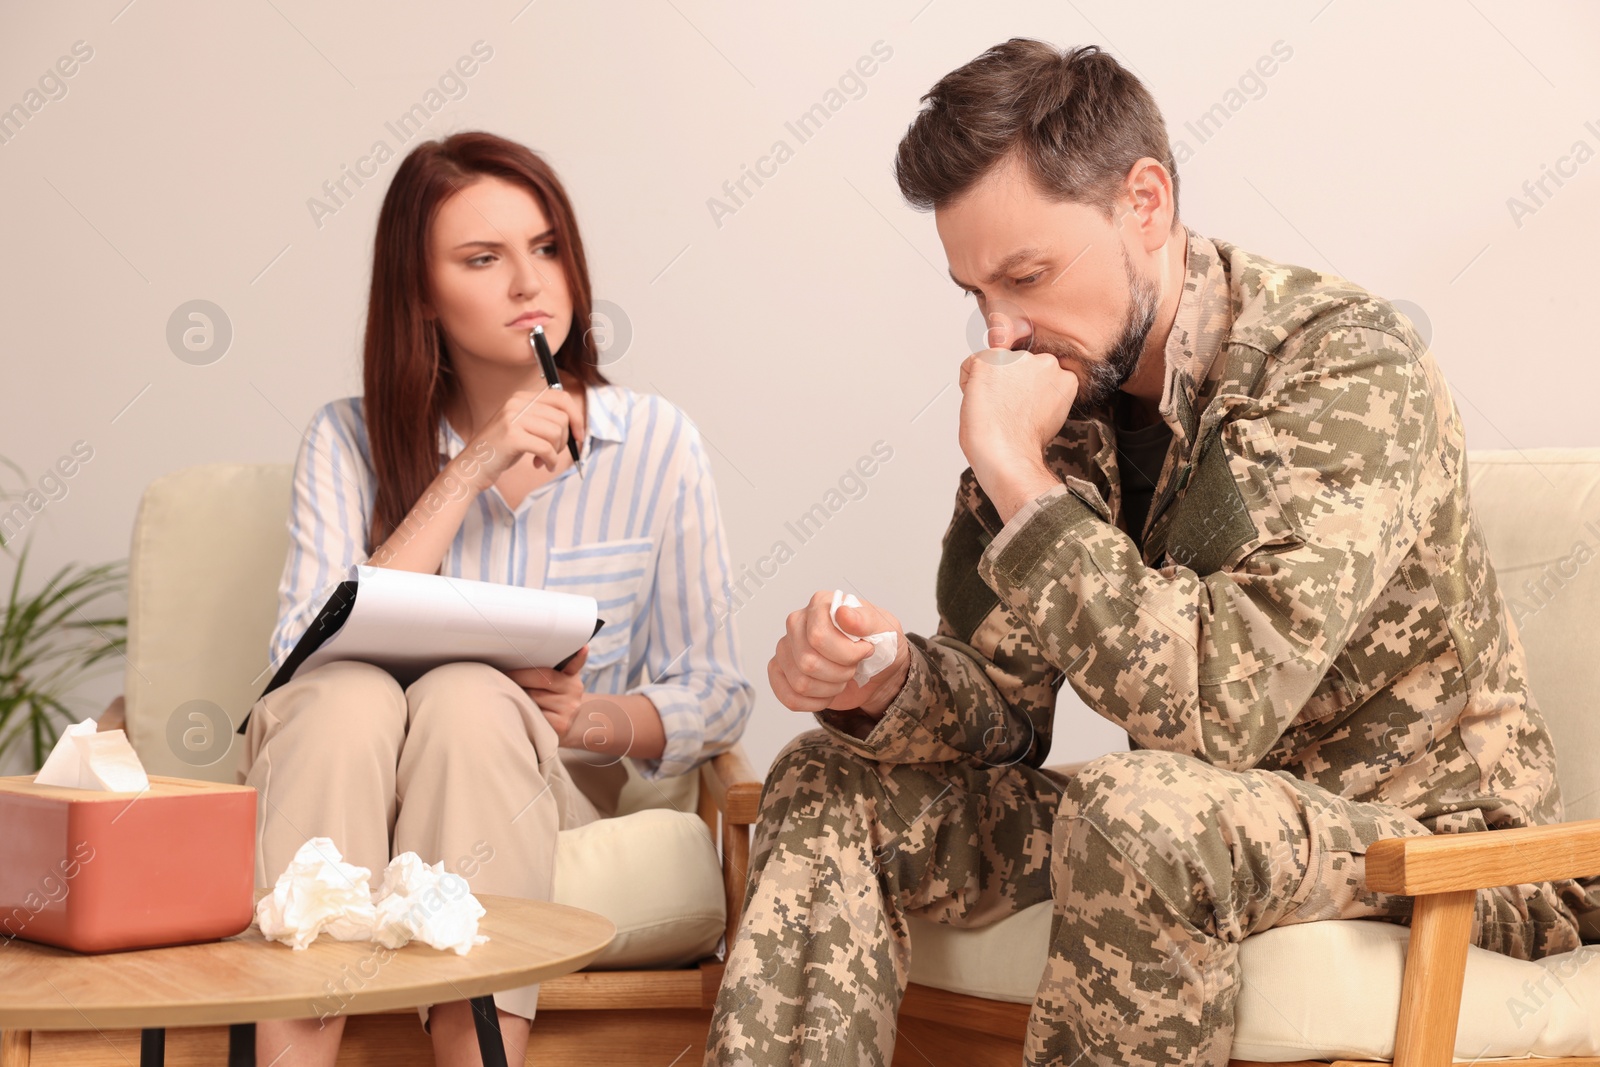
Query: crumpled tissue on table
[319, 892]
[884, 645]
[86, 757]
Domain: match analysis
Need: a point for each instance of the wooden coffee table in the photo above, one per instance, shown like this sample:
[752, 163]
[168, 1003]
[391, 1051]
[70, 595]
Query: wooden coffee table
[245, 978]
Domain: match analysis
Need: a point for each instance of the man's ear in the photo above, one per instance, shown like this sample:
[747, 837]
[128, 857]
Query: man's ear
[1148, 206]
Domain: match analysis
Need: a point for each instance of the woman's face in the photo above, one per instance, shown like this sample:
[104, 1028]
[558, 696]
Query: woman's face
[494, 273]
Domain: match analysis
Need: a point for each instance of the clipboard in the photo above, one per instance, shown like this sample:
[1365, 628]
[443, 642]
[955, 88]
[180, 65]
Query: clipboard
[337, 610]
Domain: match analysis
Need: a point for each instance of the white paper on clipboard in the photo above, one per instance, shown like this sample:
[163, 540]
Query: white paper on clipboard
[408, 623]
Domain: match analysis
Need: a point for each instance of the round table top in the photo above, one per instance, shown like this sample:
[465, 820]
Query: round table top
[245, 977]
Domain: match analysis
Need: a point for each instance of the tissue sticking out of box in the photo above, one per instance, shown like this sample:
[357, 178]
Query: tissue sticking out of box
[320, 892]
[87, 758]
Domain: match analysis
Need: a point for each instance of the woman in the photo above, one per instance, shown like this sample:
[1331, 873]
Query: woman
[455, 461]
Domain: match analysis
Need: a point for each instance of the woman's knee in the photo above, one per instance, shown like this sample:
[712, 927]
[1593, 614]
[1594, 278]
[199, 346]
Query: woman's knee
[460, 683]
[355, 700]
[468, 710]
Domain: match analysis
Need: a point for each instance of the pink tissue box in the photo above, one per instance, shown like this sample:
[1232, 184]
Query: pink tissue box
[97, 871]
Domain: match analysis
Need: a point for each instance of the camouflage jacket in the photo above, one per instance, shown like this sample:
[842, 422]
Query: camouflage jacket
[1314, 594]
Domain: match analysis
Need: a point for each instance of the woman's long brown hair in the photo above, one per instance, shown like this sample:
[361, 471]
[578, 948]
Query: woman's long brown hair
[406, 372]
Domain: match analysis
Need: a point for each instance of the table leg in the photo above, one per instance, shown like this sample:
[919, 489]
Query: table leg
[242, 1045]
[491, 1046]
[152, 1047]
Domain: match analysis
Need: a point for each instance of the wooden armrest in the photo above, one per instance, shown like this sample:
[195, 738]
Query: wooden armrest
[732, 786]
[1444, 872]
[729, 785]
[1486, 859]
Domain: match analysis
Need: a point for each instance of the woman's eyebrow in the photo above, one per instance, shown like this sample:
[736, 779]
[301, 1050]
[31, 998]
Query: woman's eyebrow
[496, 244]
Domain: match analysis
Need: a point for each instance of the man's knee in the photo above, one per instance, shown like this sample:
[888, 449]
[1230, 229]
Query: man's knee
[1208, 841]
[1147, 806]
[814, 761]
[1112, 785]
[817, 745]
[816, 777]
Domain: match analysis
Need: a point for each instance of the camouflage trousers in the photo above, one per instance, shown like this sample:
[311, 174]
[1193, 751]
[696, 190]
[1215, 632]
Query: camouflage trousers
[1159, 865]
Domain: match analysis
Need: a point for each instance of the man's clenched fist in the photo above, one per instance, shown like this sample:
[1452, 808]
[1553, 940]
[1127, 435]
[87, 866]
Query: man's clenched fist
[814, 665]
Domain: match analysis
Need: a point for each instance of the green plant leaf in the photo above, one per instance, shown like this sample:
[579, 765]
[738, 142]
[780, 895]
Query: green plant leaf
[49, 643]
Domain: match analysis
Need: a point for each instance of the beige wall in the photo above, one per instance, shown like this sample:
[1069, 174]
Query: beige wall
[801, 327]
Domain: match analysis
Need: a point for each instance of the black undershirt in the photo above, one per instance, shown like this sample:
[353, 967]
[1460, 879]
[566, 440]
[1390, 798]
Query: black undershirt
[1140, 455]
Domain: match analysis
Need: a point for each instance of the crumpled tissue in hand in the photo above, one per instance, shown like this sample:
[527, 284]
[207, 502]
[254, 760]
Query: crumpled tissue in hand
[884, 645]
[319, 892]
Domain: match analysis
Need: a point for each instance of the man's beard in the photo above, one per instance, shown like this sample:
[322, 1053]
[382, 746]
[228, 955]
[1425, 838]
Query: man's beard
[1098, 379]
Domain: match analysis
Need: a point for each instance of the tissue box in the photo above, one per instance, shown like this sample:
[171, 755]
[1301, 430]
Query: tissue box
[97, 871]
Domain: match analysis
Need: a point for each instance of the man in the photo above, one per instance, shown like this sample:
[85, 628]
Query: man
[1226, 500]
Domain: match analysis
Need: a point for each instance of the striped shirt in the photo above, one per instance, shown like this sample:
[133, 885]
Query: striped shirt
[641, 532]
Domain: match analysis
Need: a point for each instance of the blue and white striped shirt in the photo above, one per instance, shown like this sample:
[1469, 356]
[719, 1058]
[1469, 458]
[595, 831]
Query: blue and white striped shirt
[641, 532]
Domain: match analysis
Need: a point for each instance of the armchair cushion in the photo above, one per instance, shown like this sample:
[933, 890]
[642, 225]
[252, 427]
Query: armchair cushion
[655, 874]
[208, 548]
[1317, 991]
[1540, 512]
[1330, 990]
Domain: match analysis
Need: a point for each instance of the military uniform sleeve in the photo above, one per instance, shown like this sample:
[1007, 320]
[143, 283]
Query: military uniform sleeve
[1295, 517]
[979, 688]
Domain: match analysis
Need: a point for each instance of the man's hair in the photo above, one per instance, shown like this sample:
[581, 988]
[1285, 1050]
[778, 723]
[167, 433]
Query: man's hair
[1076, 117]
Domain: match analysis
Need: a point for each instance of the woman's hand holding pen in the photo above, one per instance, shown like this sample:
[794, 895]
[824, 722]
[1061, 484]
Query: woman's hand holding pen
[528, 423]
[559, 693]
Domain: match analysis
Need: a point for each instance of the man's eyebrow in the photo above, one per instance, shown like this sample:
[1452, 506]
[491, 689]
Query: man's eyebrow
[1005, 266]
[497, 244]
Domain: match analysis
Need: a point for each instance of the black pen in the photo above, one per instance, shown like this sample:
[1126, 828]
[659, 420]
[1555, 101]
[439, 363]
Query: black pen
[551, 376]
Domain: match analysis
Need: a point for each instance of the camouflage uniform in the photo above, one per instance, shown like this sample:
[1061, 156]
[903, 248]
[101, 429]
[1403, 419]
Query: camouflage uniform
[1309, 652]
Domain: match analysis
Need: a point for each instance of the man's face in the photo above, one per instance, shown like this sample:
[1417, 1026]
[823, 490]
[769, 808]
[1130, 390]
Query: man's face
[1057, 273]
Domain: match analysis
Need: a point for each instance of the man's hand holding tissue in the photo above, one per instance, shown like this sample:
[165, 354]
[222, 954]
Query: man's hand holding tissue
[814, 666]
[1012, 405]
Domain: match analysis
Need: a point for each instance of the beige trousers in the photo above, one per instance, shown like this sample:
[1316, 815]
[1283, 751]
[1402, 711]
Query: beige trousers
[459, 766]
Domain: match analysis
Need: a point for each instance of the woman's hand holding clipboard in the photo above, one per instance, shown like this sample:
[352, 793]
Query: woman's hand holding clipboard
[558, 691]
